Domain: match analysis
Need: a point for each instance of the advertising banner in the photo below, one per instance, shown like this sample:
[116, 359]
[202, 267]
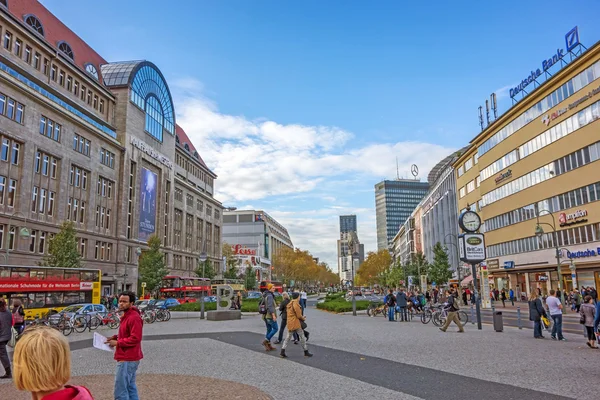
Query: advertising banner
[472, 247]
[147, 204]
[45, 286]
[485, 288]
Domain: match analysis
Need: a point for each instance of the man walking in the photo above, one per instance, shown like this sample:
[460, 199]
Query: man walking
[511, 296]
[128, 348]
[391, 303]
[555, 309]
[270, 317]
[402, 302]
[452, 307]
[303, 298]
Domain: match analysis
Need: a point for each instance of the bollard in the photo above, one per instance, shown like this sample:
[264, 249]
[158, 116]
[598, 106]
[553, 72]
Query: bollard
[472, 315]
[519, 323]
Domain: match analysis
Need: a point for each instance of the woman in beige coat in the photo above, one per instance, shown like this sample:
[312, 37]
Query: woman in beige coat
[294, 325]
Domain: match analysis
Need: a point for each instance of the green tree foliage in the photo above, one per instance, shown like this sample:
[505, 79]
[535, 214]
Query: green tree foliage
[231, 262]
[205, 270]
[249, 278]
[64, 249]
[417, 266]
[151, 265]
[439, 271]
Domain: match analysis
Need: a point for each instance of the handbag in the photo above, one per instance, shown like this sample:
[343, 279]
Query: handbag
[582, 319]
[13, 337]
[303, 325]
[545, 322]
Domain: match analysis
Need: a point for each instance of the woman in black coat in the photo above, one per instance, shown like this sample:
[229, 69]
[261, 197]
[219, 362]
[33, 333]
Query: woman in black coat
[283, 313]
[536, 310]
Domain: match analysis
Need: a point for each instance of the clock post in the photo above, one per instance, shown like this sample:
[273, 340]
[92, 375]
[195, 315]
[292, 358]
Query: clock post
[472, 250]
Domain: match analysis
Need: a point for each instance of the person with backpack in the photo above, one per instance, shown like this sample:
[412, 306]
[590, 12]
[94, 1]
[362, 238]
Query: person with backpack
[452, 307]
[402, 302]
[296, 324]
[18, 316]
[267, 308]
[391, 303]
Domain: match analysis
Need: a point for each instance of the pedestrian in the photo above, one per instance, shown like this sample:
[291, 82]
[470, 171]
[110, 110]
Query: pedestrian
[435, 295]
[303, 298]
[295, 324]
[496, 294]
[402, 303]
[587, 318]
[428, 296]
[270, 317]
[391, 303]
[464, 297]
[5, 336]
[578, 299]
[18, 315]
[452, 307]
[597, 321]
[593, 293]
[503, 297]
[283, 314]
[511, 296]
[115, 303]
[555, 309]
[42, 366]
[536, 311]
[128, 348]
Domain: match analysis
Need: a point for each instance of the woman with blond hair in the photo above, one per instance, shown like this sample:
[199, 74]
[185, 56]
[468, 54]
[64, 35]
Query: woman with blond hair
[42, 366]
[536, 310]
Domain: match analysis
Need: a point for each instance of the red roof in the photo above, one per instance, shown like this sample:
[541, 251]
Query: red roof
[55, 31]
[183, 139]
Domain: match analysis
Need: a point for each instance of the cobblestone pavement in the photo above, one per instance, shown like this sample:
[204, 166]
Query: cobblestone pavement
[355, 356]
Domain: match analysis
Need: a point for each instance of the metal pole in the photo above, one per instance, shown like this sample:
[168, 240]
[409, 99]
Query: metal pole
[202, 296]
[519, 323]
[472, 315]
[353, 300]
[476, 290]
[562, 292]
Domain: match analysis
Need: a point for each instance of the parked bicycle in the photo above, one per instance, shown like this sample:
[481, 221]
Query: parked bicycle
[439, 317]
[375, 309]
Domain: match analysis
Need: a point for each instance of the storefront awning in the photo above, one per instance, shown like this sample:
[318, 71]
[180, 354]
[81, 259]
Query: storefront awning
[467, 280]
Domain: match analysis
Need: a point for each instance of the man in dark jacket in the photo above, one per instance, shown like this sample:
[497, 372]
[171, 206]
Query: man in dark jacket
[270, 317]
[128, 348]
[391, 303]
[283, 314]
[452, 307]
[402, 302]
[5, 336]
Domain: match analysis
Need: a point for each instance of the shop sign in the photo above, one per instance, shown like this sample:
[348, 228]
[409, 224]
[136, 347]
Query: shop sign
[493, 264]
[509, 264]
[565, 219]
[474, 247]
[151, 152]
[571, 41]
[238, 250]
[583, 253]
[541, 277]
[503, 176]
[546, 119]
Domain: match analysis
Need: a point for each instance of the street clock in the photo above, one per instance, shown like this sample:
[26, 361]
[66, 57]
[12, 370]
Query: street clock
[469, 221]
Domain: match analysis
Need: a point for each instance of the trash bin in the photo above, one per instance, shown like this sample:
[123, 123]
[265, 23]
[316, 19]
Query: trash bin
[498, 322]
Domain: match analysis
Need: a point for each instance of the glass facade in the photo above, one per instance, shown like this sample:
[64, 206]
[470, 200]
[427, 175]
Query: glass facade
[394, 202]
[348, 223]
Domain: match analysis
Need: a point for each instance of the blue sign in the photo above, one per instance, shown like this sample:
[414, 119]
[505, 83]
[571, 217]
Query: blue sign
[572, 39]
[509, 264]
[583, 254]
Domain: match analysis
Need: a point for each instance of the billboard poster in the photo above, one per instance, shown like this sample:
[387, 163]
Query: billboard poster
[147, 204]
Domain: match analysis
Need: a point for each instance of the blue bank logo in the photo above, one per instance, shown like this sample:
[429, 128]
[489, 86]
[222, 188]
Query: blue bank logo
[572, 39]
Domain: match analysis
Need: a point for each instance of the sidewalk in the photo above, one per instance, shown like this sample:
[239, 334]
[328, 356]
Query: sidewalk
[524, 309]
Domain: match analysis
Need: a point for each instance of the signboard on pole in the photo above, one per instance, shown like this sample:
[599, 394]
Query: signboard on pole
[472, 247]
[423, 282]
[485, 288]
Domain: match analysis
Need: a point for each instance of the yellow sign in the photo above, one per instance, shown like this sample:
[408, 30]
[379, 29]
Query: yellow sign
[144, 284]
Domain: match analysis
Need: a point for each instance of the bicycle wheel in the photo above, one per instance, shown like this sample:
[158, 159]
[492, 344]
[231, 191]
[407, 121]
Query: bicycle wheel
[66, 329]
[426, 317]
[464, 317]
[95, 322]
[168, 315]
[435, 318]
[370, 310]
[161, 316]
[384, 312]
[114, 323]
[80, 324]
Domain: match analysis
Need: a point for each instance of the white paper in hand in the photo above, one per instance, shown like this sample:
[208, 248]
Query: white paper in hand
[99, 342]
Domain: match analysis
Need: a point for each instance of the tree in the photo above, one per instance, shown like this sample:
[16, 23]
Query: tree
[64, 249]
[205, 270]
[151, 265]
[231, 262]
[417, 265]
[231, 273]
[373, 269]
[250, 278]
[439, 271]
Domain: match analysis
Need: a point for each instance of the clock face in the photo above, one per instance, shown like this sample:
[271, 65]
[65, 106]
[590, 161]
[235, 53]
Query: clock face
[470, 221]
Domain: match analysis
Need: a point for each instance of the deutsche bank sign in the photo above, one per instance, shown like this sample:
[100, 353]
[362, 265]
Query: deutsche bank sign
[571, 41]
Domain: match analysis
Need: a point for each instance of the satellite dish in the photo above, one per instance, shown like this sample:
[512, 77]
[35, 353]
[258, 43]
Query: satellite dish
[414, 170]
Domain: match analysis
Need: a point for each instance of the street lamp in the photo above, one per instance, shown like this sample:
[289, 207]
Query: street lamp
[23, 232]
[457, 253]
[539, 232]
[202, 257]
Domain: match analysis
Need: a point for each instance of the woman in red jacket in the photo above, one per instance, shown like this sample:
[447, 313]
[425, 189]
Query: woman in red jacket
[42, 366]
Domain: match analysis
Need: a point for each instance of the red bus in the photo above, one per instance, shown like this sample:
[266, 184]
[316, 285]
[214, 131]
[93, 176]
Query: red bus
[278, 286]
[185, 289]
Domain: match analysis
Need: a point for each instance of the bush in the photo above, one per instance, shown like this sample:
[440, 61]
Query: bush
[341, 305]
[248, 305]
[333, 296]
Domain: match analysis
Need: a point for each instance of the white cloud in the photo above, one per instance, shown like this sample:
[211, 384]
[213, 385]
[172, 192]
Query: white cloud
[260, 159]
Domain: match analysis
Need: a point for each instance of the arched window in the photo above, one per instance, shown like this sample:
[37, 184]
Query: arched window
[186, 147]
[154, 118]
[90, 69]
[34, 24]
[196, 155]
[66, 49]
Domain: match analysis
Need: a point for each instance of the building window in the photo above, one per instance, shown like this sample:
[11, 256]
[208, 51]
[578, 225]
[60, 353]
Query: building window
[34, 24]
[78, 177]
[46, 66]
[189, 200]
[81, 144]
[36, 61]
[462, 192]
[177, 228]
[470, 186]
[33, 241]
[12, 192]
[154, 118]
[83, 92]
[101, 109]
[43, 199]
[83, 248]
[130, 199]
[11, 108]
[76, 88]
[69, 83]
[61, 78]
[95, 102]
[468, 164]
[477, 181]
[28, 54]
[104, 187]
[50, 128]
[66, 49]
[7, 40]
[179, 195]
[53, 71]
[107, 158]
[18, 47]
[461, 170]
[11, 238]
[199, 205]
[34, 198]
[51, 204]
[89, 97]
[14, 157]
[90, 69]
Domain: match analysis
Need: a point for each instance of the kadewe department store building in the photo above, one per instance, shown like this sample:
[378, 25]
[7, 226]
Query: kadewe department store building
[541, 158]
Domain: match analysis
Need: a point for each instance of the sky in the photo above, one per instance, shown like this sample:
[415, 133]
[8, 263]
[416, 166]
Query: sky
[302, 107]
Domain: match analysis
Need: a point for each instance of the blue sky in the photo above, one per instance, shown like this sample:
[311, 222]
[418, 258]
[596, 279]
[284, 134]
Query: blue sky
[301, 108]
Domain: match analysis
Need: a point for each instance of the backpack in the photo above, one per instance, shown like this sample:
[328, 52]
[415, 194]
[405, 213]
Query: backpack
[262, 306]
[390, 300]
[17, 317]
[455, 304]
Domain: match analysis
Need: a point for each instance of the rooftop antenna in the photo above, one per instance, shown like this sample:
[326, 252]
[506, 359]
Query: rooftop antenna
[397, 170]
[481, 117]
[494, 106]
[487, 112]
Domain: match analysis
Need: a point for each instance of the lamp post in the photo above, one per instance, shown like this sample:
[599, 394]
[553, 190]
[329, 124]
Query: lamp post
[23, 232]
[539, 232]
[202, 257]
[355, 259]
[446, 243]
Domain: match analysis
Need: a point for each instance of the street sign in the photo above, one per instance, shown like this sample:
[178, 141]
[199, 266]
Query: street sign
[423, 282]
[143, 284]
[410, 280]
[509, 264]
[472, 247]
